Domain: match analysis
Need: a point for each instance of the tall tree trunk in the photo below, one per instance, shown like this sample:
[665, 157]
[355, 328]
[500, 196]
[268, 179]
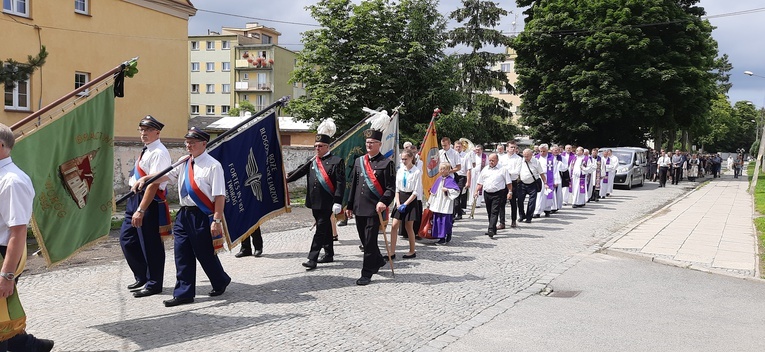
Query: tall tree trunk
[671, 140]
[685, 147]
[658, 137]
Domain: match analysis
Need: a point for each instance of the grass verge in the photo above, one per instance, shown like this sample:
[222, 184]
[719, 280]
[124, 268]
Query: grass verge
[759, 208]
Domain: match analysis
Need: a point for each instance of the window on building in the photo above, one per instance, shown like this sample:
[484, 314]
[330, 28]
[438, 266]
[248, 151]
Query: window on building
[245, 76]
[225, 44]
[507, 67]
[210, 45]
[80, 79]
[81, 6]
[194, 88]
[225, 66]
[194, 67]
[210, 66]
[265, 39]
[224, 109]
[245, 97]
[17, 97]
[210, 109]
[261, 103]
[16, 7]
[210, 88]
[263, 54]
[194, 45]
[263, 81]
[226, 88]
[195, 109]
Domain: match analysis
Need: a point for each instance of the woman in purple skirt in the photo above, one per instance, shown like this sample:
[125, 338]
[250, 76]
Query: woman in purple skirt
[442, 195]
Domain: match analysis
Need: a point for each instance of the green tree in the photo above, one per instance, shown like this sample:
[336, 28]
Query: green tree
[613, 72]
[485, 118]
[12, 71]
[375, 54]
[244, 105]
[722, 69]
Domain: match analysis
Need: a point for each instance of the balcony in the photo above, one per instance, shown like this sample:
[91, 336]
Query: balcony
[254, 87]
[253, 65]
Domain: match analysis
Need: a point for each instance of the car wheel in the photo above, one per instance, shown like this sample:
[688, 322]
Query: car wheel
[629, 183]
[642, 181]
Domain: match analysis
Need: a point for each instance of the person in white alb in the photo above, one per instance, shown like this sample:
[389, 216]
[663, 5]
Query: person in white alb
[582, 167]
[664, 163]
[546, 201]
[478, 160]
[567, 157]
[496, 185]
[611, 163]
[562, 169]
[449, 155]
[531, 171]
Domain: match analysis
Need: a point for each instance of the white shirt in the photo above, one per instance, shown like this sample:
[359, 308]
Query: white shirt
[664, 161]
[513, 166]
[611, 163]
[464, 159]
[409, 181]
[155, 159]
[449, 156]
[208, 175]
[529, 171]
[16, 197]
[494, 179]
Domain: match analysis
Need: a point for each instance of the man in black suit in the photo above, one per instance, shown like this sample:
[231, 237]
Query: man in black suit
[326, 187]
[373, 185]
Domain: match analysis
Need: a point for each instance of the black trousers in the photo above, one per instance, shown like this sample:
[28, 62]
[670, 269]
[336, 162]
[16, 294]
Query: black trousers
[322, 238]
[257, 240]
[461, 202]
[142, 246]
[494, 202]
[368, 227]
[677, 173]
[514, 202]
[530, 190]
[663, 176]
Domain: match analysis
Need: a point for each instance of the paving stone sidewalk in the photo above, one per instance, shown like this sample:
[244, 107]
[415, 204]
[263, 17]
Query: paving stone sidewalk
[710, 228]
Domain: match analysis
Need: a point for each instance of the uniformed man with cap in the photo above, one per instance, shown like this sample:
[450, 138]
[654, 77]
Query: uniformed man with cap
[202, 194]
[147, 216]
[373, 186]
[326, 187]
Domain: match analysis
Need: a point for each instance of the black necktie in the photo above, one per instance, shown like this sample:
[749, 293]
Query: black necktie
[142, 151]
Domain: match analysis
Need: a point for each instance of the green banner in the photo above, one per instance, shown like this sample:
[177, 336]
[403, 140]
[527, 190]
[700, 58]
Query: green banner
[71, 164]
[349, 147]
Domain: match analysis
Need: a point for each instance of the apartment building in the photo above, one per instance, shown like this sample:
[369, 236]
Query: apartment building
[508, 67]
[238, 64]
[84, 39]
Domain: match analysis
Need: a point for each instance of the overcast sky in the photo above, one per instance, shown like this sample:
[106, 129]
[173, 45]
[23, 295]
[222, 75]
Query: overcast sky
[738, 35]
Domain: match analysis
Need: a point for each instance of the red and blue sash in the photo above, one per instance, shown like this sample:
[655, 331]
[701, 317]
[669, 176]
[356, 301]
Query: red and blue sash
[369, 177]
[323, 177]
[193, 191]
[165, 224]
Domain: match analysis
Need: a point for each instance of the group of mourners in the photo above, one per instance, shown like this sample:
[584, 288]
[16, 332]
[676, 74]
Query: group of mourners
[684, 165]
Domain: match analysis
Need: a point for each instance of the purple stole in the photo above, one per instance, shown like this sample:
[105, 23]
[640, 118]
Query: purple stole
[448, 182]
[571, 161]
[583, 177]
[608, 162]
[550, 173]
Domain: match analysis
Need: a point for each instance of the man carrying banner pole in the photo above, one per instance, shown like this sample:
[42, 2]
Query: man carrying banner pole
[147, 215]
[372, 188]
[198, 228]
[326, 187]
[16, 195]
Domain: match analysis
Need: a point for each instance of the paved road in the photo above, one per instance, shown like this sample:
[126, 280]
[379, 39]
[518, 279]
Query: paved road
[274, 304]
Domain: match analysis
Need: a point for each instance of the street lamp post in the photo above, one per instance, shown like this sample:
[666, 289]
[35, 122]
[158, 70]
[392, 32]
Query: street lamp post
[758, 163]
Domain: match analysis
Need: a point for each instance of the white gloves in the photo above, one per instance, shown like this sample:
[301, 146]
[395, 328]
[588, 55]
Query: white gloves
[337, 208]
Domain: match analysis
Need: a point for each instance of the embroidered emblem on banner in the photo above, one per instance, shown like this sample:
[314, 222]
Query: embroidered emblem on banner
[253, 176]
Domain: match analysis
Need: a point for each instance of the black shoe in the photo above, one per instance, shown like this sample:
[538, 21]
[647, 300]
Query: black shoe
[325, 259]
[215, 292]
[458, 217]
[44, 345]
[244, 252]
[257, 253]
[392, 256]
[342, 223]
[501, 227]
[145, 293]
[334, 238]
[513, 224]
[363, 281]
[407, 256]
[177, 301]
[136, 285]
[417, 238]
[536, 216]
[440, 242]
[490, 234]
[547, 214]
[528, 221]
[361, 248]
[309, 265]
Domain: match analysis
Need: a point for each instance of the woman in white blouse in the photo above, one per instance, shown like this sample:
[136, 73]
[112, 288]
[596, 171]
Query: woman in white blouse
[408, 188]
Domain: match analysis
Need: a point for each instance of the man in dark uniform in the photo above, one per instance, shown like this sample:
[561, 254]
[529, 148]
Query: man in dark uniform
[324, 196]
[373, 185]
[147, 215]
